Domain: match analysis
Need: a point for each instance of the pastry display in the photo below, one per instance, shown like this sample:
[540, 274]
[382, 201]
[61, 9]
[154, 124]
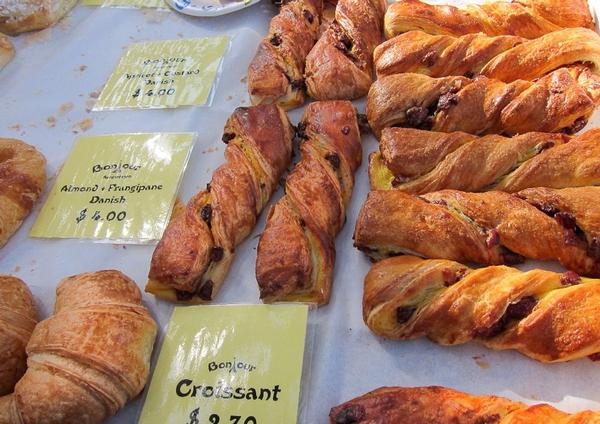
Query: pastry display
[276, 74]
[197, 248]
[296, 251]
[7, 51]
[425, 405]
[525, 18]
[18, 16]
[89, 358]
[493, 227]
[563, 100]
[417, 161]
[18, 316]
[22, 179]
[340, 66]
[506, 58]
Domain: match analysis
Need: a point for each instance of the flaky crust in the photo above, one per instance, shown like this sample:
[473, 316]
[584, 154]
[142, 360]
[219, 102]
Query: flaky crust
[487, 228]
[296, 251]
[18, 16]
[192, 259]
[562, 100]
[526, 18]
[7, 51]
[22, 179]
[417, 161]
[340, 66]
[426, 405]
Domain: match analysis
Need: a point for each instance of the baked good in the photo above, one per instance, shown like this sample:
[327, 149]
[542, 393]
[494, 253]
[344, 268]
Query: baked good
[89, 358]
[417, 161]
[22, 179]
[560, 101]
[505, 57]
[525, 18]
[425, 405]
[18, 16]
[296, 251]
[276, 73]
[18, 316]
[340, 65]
[196, 250]
[7, 51]
[493, 227]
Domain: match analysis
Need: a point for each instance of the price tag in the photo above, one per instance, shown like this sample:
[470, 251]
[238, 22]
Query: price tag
[118, 187]
[238, 364]
[164, 74]
[159, 4]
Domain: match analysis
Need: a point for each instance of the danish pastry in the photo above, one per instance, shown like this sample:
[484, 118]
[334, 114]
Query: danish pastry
[18, 16]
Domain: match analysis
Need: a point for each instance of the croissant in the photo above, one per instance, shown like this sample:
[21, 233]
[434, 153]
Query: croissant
[487, 228]
[197, 248]
[22, 179]
[89, 358]
[7, 51]
[340, 65]
[505, 58]
[526, 18]
[296, 251]
[18, 316]
[560, 101]
[18, 16]
[425, 405]
[417, 161]
[275, 74]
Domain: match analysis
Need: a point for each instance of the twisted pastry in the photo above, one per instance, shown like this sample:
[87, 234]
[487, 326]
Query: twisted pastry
[296, 251]
[340, 65]
[22, 179]
[526, 18]
[417, 161]
[18, 16]
[18, 316]
[487, 228]
[196, 250]
[505, 58]
[560, 101]
[275, 74]
[7, 51]
[424, 405]
[89, 358]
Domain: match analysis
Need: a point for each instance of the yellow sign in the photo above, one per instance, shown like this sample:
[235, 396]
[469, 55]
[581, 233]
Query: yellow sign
[118, 187]
[238, 364]
[164, 74]
[126, 3]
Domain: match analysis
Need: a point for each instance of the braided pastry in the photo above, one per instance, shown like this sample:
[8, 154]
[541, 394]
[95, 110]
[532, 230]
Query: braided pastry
[7, 51]
[487, 228]
[22, 179]
[560, 101]
[525, 18]
[417, 161]
[427, 405]
[196, 250]
[296, 251]
[275, 74]
[18, 16]
[505, 58]
[340, 65]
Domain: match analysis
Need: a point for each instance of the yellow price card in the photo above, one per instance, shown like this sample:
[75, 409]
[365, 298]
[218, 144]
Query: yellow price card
[160, 4]
[230, 364]
[118, 187]
[164, 74]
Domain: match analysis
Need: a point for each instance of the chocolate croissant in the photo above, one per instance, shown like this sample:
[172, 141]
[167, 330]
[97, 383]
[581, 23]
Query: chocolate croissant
[525, 18]
[89, 358]
[340, 65]
[487, 228]
[505, 58]
[417, 161]
[563, 100]
[22, 179]
[197, 248]
[276, 73]
[426, 405]
[296, 251]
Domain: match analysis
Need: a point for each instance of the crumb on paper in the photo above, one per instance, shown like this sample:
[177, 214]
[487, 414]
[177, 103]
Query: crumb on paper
[481, 362]
[244, 79]
[51, 120]
[16, 127]
[65, 107]
[210, 150]
[82, 68]
[17, 269]
[94, 94]
[89, 105]
[229, 98]
[83, 125]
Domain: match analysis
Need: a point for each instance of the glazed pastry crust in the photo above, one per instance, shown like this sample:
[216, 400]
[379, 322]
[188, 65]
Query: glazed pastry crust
[18, 16]
[192, 259]
[296, 251]
[7, 51]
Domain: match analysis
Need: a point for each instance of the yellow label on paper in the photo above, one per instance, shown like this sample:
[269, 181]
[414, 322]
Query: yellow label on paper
[238, 364]
[164, 74]
[126, 3]
[119, 187]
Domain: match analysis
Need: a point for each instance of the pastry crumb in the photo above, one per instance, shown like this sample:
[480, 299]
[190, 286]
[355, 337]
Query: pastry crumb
[16, 127]
[481, 362]
[229, 98]
[244, 79]
[17, 269]
[65, 107]
[83, 125]
[82, 68]
[210, 150]
[94, 94]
